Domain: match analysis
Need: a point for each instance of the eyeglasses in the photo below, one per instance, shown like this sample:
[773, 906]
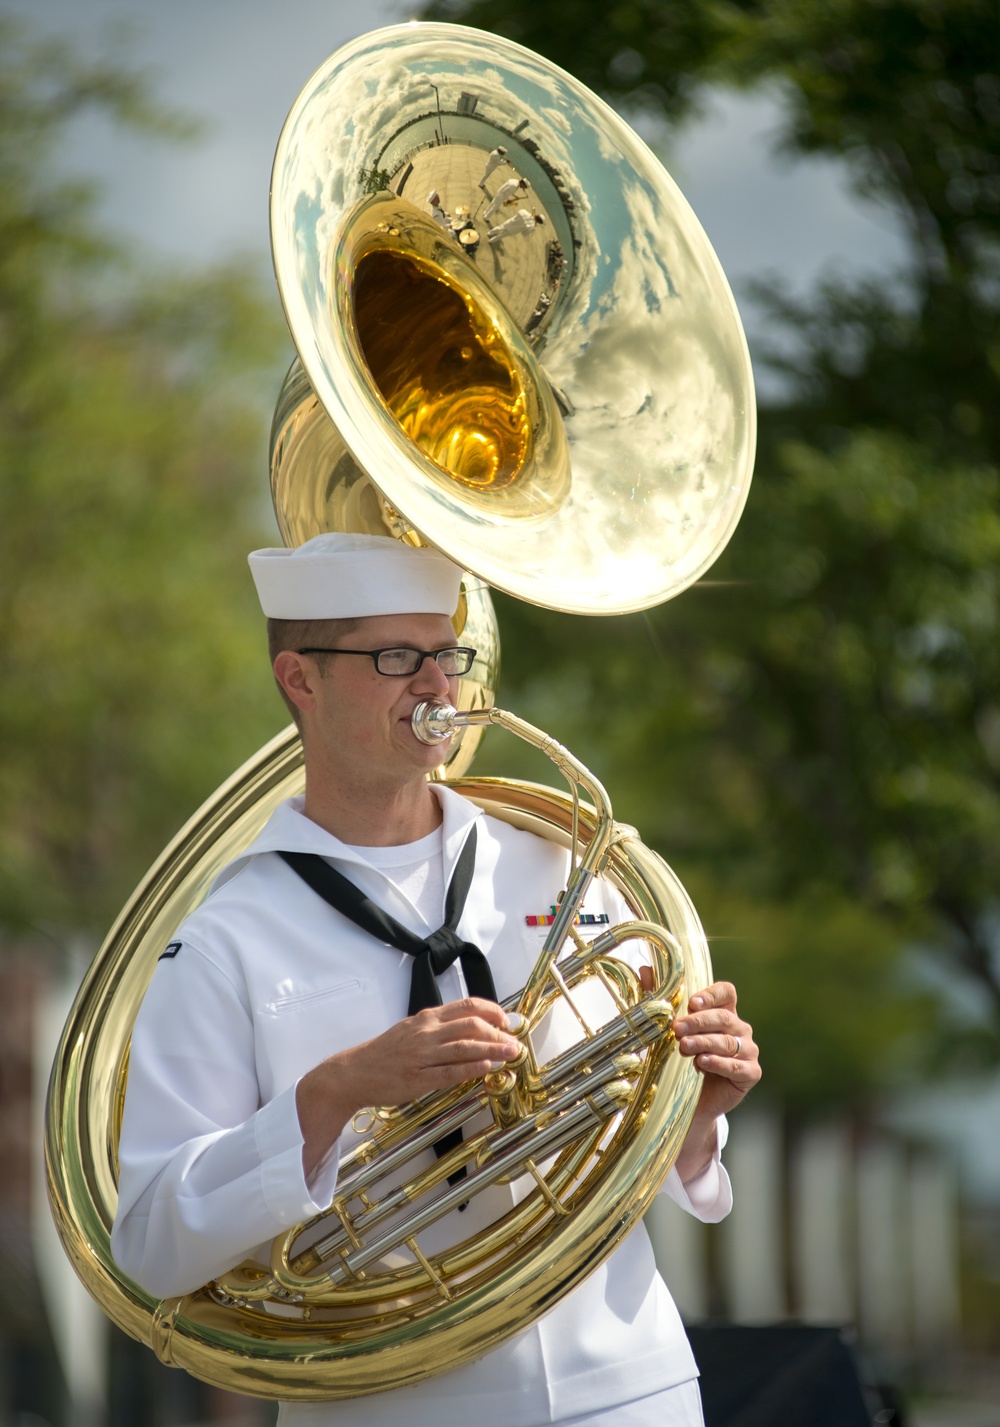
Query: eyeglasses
[398, 663]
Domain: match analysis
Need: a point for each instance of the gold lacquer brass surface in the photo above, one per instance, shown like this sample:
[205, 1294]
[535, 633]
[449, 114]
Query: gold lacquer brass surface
[475, 625]
[304, 1355]
[443, 374]
[439, 363]
[608, 461]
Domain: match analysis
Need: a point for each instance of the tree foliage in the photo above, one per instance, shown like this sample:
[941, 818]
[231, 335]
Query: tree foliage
[817, 725]
[131, 486]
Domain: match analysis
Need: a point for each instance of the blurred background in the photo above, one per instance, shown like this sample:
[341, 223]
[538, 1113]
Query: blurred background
[811, 735]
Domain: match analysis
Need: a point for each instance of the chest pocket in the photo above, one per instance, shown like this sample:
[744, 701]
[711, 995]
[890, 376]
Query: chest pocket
[296, 1033]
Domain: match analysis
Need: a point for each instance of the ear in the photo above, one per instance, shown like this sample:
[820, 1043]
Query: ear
[298, 678]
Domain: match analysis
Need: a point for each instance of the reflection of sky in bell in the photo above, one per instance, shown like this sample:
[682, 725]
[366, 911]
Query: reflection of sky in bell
[521, 92]
[648, 346]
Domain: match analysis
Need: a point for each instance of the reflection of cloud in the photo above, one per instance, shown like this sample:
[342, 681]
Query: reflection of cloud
[660, 381]
[557, 119]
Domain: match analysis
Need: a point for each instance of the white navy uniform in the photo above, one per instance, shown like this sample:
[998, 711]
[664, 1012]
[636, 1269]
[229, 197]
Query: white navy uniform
[263, 982]
[507, 191]
[493, 161]
[523, 221]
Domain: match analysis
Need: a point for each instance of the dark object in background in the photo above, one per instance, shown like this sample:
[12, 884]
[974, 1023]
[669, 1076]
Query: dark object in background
[785, 1376]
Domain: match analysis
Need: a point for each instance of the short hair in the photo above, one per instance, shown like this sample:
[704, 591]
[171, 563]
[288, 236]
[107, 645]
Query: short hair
[301, 634]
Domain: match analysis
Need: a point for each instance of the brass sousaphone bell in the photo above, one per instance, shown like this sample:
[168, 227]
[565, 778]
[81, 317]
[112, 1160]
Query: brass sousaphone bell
[566, 410]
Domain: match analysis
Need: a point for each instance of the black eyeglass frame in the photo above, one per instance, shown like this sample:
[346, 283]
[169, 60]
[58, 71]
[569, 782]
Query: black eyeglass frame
[375, 655]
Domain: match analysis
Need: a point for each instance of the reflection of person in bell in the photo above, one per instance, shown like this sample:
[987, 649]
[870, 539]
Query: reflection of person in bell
[437, 212]
[520, 222]
[509, 192]
[494, 159]
[355, 955]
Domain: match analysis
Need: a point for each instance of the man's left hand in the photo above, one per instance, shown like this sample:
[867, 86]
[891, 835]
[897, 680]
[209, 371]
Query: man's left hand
[722, 1046]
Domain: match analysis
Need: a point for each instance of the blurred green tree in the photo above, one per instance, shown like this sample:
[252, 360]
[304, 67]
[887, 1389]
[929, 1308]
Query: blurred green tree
[817, 725]
[131, 487]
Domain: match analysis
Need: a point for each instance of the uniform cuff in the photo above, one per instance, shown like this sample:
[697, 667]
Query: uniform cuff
[323, 1180]
[708, 1195]
[279, 1145]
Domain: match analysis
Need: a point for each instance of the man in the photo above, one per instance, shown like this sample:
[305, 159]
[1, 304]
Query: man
[509, 192]
[520, 222]
[494, 159]
[272, 1018]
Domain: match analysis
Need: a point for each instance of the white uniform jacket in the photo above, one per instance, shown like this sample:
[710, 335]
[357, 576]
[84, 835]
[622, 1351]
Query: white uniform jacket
[523, 221]
[503, 195]
[263, 982]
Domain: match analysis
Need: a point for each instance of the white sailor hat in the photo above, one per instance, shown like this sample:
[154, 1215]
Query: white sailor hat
[337, 576]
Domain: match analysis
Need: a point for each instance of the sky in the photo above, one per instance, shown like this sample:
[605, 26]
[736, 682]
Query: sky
[237, 65]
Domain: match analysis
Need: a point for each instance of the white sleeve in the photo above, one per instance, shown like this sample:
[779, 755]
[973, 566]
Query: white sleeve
[207, 1173]
[709, 1195]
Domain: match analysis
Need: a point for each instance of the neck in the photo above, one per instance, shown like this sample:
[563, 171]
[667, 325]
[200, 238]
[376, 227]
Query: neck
[370, 816]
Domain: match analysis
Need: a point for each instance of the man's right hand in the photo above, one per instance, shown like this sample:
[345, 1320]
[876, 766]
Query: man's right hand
[432, 1050]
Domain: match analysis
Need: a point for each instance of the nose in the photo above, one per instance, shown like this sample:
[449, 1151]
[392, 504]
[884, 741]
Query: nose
[430, 681]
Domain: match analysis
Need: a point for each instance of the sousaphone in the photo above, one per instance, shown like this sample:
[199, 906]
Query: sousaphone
[565, 408]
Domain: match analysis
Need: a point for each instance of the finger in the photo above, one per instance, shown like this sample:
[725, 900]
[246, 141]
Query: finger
[743, 1074]
[725, 1047]
[705, 1022]
[440, 1077]
[467, 1028]
[471, 1006]
[719, 993]
[444, 1042]
[422, 1034]
[455, 1061]
[468, 1049]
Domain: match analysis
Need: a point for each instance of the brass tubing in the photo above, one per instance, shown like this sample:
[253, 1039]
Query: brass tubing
[595, 1108]
[495, 1144]
[511, 1233]
[432, 722]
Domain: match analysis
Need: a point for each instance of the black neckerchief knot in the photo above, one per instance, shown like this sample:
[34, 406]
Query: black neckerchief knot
[432, 955]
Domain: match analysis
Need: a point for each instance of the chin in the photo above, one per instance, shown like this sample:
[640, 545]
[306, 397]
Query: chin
[437, 756]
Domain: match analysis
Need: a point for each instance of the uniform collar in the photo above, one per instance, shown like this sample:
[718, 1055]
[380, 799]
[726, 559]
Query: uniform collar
[289, 830]
[459, 815]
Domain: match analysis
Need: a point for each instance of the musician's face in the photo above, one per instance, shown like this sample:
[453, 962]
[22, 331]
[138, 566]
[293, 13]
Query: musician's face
[362, 716]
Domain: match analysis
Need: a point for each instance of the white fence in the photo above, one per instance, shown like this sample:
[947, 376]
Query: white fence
[834, 1227]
